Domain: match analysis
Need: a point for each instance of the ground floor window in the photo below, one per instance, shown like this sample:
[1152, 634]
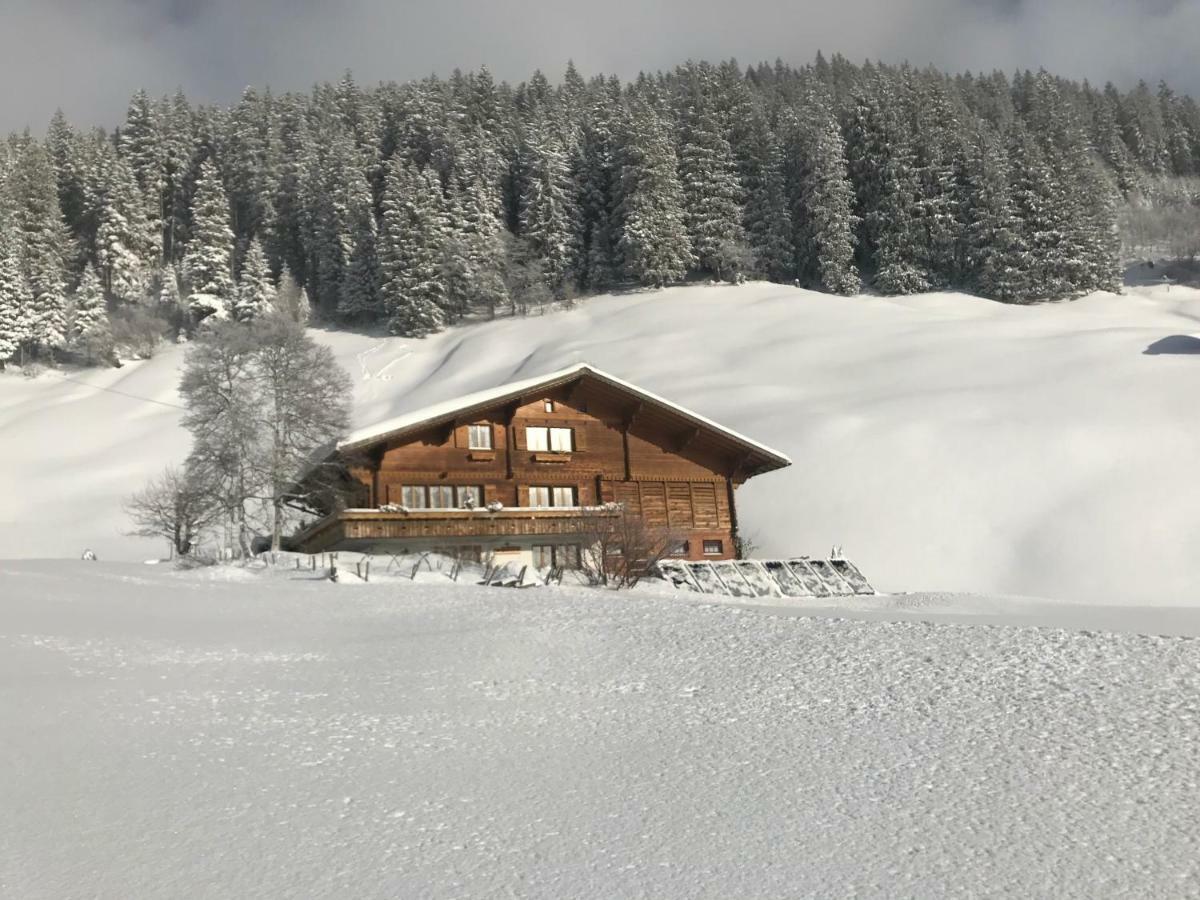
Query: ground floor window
[679, 549]
[441, 496]
[466, 553]
[559, 556]
[714, 548]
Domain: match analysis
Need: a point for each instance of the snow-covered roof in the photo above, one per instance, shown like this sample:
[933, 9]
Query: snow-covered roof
[459, 406]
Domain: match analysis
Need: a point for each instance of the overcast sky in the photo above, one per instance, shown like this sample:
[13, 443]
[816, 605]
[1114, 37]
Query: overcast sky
[87, 56]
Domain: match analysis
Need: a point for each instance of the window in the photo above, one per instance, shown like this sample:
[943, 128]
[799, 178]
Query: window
[441, 496]
[552, 496]
[713, 548]
[561, 440]
[561, 556]
[680, 549]
[553, 440]
[549, 406]
[479, 437]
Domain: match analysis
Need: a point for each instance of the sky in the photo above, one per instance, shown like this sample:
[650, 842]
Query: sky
[88, 56]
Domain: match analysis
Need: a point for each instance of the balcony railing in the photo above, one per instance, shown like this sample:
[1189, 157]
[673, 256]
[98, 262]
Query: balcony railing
[363, 527]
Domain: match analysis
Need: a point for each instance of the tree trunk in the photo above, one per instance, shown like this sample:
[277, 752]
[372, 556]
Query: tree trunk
[277, 525]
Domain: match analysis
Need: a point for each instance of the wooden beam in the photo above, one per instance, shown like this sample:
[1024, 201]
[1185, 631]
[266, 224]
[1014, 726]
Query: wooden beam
[739, 467]
[632, 413]
[625, 450]
[510, 438]
[688, 438]
[573, 391]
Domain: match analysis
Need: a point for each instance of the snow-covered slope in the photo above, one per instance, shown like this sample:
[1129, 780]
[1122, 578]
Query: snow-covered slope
[948, 442]
[228, 734]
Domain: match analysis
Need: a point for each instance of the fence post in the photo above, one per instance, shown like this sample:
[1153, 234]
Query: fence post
[368, 577]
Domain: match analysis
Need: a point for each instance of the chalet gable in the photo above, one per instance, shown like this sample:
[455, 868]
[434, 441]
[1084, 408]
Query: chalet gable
[676, 428]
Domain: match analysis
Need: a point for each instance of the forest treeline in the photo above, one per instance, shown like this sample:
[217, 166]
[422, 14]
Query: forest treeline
[409, 206]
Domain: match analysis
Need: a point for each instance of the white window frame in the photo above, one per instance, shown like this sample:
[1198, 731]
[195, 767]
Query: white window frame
[537, 438]
[563, 492]
[548, 405]
[720, 548]
[540, 496]
[461, 492]
[479, 437]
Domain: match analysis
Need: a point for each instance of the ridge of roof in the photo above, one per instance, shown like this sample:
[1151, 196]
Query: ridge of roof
[434, 412]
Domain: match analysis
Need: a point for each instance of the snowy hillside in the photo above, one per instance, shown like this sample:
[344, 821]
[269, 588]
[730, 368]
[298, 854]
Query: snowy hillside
[279, 736]
[948, 442]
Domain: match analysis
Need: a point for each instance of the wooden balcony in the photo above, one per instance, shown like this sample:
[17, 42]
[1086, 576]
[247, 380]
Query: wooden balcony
[363, 528]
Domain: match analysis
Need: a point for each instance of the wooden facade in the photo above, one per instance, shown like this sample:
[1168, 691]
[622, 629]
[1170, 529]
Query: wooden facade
[530, 459]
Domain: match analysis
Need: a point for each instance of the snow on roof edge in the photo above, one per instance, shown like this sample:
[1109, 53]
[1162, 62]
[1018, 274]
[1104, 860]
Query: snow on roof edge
[446, 408]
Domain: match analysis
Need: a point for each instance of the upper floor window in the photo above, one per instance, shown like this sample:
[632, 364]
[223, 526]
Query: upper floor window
[441, 496]
[552, 496]
[552, 440]
[414, 496]
[548, 405]
[479, 437]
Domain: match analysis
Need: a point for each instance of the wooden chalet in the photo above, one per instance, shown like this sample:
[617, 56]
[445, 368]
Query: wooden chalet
[511, 472]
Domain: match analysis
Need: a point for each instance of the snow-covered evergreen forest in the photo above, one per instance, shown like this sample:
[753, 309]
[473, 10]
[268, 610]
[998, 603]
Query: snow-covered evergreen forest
[409, 206]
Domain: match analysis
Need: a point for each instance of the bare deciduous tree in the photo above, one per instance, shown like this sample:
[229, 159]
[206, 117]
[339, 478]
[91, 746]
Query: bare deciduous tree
[619, 547]
[262, 399]
[173, 506]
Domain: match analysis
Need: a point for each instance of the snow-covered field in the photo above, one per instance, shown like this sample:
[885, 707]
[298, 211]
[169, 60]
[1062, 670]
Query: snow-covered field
[226, 733]
[949, 443]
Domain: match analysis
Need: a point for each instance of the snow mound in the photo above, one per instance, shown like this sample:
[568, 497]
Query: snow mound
[949, 443]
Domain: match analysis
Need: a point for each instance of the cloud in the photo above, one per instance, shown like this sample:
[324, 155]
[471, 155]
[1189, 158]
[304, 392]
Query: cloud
[88, 56]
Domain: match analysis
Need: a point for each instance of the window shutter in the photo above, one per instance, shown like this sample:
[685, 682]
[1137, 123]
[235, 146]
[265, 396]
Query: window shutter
[462, 437]
[519, 436]
[579, 438]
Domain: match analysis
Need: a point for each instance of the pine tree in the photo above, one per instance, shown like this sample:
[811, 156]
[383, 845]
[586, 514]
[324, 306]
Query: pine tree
[15, 302]
[67, 154]
[291, 300]
[255, 293]
[711, 193]
[42, 245]
[358, 298]
[88, 332]
[823, 206]
[478, 234]
[179, 152]
[208, 261]
[145, 148]
[1038, 200]
[547, 210]
[598, 178]
[996, 255]
[410, 254]
[767, 220]
[938, 153]
[654, 239]
[881, 161]
[125, 246]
